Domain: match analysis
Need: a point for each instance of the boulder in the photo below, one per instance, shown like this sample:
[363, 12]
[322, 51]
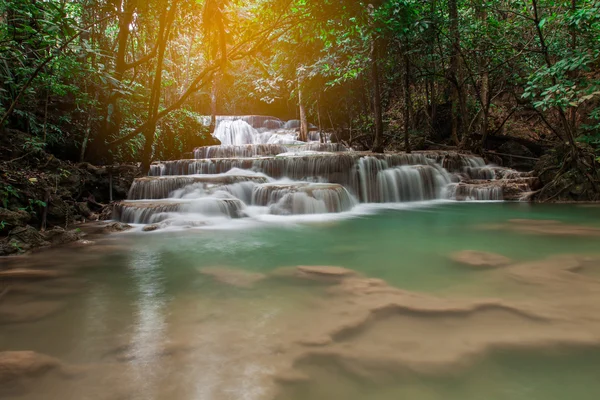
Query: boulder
[58, 235]
[116, 227]
[14, 218]
[151, 228]
[26, 238]
[480, 259]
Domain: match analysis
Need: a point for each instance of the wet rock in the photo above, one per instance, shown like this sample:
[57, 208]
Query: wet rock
[328, 274]
[480, 259]
[151, 228]
[30, 274]
[316, 341]
[232, 276]
[116, 227]
[107, 212]
[84, 210]
[84, 243]
[14, 218]
[27, 238]
[16, 365]
[291, 377]
[58, 236]
[12, 312]
[546, 227]
[325, 270]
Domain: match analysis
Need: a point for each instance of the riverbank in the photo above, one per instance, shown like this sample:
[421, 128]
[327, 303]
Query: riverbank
[44, 200]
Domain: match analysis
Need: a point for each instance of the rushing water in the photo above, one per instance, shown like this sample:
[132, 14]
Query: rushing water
[209, 314]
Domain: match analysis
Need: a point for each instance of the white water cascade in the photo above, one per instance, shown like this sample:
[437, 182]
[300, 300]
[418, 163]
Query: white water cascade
[261, 169]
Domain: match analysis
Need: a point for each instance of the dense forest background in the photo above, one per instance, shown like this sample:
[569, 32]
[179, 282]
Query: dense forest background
[117, 81]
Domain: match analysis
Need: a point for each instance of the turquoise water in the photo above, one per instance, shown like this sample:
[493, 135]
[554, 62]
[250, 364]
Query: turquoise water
[144, 322]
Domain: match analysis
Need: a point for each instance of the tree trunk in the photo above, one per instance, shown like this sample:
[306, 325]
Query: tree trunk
[407, 101]
[113, 118]
[567, 128]
[88, 129]
[485, 99]
[377, 109]
[321, 136]
[454, 67]
[164, 34]
[214, 105]
[303, 120]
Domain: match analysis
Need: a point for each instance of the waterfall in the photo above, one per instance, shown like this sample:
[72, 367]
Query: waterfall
[236, 133]
[455, 162]
[143, 212]
[463, 191]
[240, 151]
[325, 147]
[261, 168]
[410, 183]
[303, 198]
[162, 187]
[480, 172]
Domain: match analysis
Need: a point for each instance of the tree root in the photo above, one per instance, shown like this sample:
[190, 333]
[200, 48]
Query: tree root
[575, 161]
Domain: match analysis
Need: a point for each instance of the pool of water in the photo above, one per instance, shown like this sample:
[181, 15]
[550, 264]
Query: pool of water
[219, 314]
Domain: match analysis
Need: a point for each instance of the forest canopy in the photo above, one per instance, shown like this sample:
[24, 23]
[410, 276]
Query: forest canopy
[128, 80]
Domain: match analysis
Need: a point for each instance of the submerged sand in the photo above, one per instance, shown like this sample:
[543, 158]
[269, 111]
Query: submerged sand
[258, 344]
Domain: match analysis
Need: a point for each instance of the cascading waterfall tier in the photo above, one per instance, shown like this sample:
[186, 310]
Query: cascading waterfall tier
[255, 121]
[412, 183]
[161, 187]
[325, 147]
[236, 133]
[303, 198]
[353, 170]
[240, 151]
[145, 212]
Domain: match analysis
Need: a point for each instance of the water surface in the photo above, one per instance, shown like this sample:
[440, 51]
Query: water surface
[142, 322]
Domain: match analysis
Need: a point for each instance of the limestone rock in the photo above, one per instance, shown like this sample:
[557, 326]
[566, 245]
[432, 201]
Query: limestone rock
[30, 274]
[27, 238]
[58, 236]
[480, 259]
[151, 228]
[14, 218]
[15, 365]
[233, 276]
[325, 270]
[12, 312]
[327, 274]
[116, 227]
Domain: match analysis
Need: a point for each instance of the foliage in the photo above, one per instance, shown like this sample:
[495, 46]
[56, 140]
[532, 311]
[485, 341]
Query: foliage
[525, 60]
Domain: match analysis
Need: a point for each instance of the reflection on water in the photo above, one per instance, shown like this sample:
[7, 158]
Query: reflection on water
[149, 319]
[221, 315]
